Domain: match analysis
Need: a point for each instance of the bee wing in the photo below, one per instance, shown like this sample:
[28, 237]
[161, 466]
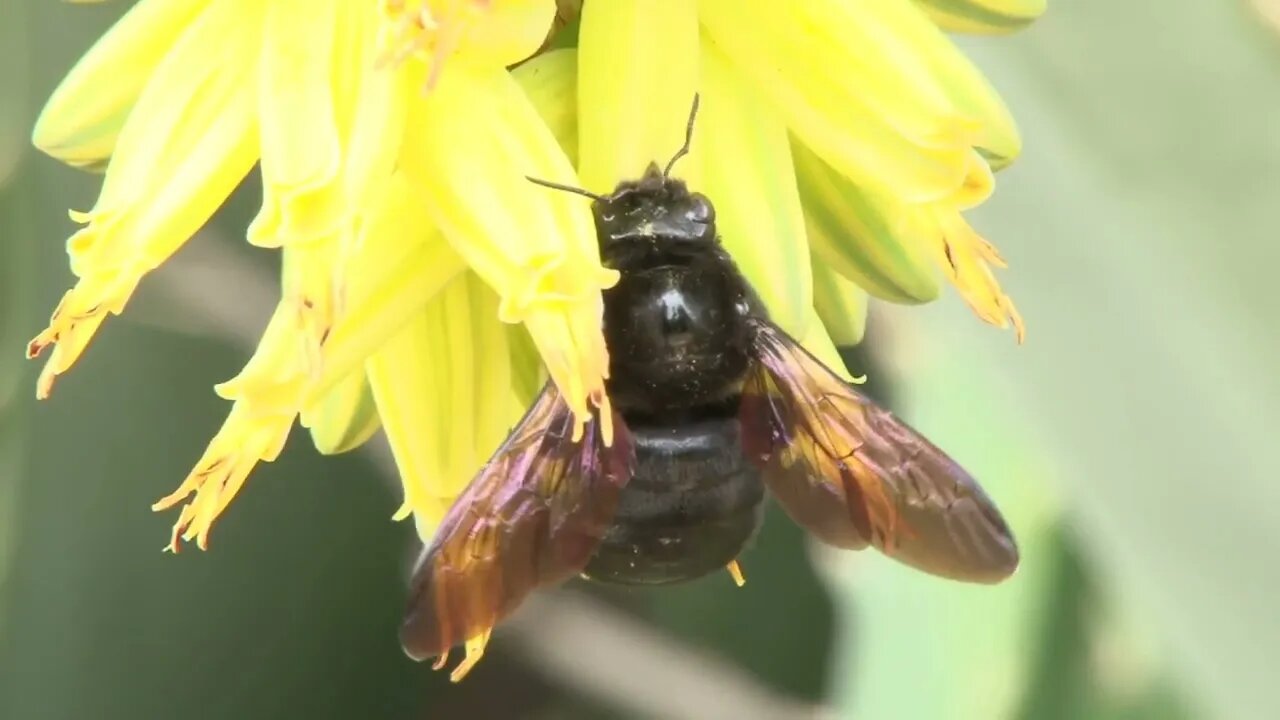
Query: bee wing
[853, 474]
[532, 517]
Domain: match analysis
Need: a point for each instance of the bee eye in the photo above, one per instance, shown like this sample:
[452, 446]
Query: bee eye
[700, 210]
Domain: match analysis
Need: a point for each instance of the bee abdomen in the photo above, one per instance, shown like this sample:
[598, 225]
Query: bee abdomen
[692, 506]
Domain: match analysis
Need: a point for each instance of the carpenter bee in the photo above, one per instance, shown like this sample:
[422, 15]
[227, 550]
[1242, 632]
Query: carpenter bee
[713, 405]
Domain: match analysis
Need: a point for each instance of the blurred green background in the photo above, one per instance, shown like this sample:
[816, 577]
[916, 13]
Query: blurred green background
[1130, 442]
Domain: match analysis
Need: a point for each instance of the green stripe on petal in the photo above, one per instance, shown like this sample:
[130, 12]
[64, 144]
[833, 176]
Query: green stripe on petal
[748, 173]
[81, 122]
[841, 305]
[637, 75]
[867, 236]
[984, 17]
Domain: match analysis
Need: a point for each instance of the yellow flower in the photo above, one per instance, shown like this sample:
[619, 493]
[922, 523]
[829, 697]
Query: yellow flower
[841, 141]
[425, 284]
[393, 146]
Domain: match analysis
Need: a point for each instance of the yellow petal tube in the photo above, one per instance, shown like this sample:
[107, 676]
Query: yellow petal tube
[841, 305]
[301, 148]
[637, 75]
[398, 264]
[83, 118]
[744, 151]
[443, 388]
[985, 17]
[190, 139]
[476, 139]
[850, 86]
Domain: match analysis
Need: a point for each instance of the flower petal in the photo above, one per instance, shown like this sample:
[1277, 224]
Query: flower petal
[550, 80]
[190, 140]
[527, 373]
[345, 418]
[818, 342]
[748, 173]
[397, 266]
[965, 85]
[966, 258]
[841, 305]
[851, 88]
[868, 236]
[372, 107]
[983, 16]
[495, 34]
[508, 32]
[81, 121]
[637, 75]
[477, 138]
[247, 437]
[301, 150]
[443, 388]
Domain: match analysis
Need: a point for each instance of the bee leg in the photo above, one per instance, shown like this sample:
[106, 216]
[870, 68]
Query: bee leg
[475, 651]
[735, 570]
[440, 661]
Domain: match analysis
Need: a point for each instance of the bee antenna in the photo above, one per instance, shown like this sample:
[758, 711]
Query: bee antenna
[688, 137]
[565, 188]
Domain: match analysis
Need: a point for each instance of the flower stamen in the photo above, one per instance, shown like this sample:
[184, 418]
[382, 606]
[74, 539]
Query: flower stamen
[967, 258]
[430, 30]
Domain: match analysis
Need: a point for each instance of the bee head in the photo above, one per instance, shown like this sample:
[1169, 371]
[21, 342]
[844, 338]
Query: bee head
[655, 207]
[655, 210]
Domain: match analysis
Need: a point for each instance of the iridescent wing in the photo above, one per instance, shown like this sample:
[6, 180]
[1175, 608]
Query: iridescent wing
[532, 517]
[853, 474]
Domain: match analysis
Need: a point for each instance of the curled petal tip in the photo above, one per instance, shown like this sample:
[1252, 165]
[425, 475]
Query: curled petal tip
[403, 512]
[1019, 328]
[169, 501]
[37, 346]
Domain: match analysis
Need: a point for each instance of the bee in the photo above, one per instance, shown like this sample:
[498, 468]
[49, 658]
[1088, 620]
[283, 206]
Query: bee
[714, 407]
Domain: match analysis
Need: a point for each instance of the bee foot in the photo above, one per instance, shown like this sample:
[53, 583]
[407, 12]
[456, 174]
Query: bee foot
[440, 661]
[735, 570]
[475, 651]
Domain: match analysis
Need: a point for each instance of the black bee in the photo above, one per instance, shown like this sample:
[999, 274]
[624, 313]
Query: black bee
[712, 405]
